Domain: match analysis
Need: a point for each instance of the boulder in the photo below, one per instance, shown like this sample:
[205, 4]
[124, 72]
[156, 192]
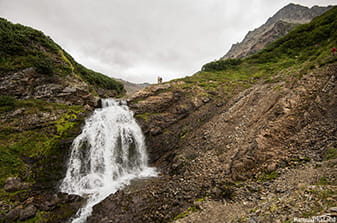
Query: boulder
[28, 212]
[12, 184]
[13, 214]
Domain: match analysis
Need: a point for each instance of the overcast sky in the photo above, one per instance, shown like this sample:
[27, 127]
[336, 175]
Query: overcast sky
[139, 40]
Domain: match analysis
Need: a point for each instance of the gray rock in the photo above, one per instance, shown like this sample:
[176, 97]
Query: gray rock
[28, 212]
[13, 214]
[12, 184]
[205, 99]
[333, 209]
[156, 131]
[69, 90]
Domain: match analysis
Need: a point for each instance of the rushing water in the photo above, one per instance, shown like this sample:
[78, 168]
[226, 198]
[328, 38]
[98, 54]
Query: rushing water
[106, 156]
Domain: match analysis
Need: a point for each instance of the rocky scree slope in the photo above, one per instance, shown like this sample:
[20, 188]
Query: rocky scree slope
[234, 132]
[44, 97]
[277, 26]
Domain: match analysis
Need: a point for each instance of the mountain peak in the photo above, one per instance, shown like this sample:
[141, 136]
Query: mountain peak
[276, 26]
[294, 13]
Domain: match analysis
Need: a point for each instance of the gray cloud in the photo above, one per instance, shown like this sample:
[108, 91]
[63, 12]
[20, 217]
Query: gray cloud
[138, 40]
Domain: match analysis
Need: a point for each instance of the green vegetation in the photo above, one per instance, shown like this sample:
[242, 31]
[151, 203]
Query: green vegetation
[323, 181]
[25, 152]
[306, 47]
[35, 136]
[268, 176]
[186, 213]
[330, 153]
[6, 100]
[22, 47]
[99, 80]
[221, 65]
[306, 42]
[146, 116]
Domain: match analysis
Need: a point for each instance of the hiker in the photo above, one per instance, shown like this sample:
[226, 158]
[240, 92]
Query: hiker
[333, 51]
[160, 80]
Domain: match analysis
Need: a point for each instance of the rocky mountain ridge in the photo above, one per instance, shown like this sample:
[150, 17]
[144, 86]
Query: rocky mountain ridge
[277, 26]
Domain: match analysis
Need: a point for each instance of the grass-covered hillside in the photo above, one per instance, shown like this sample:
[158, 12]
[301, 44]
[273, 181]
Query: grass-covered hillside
[306, 47]
[23, 47]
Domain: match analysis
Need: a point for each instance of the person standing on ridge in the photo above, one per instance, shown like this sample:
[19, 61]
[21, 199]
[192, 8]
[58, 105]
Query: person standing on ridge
[160, 80]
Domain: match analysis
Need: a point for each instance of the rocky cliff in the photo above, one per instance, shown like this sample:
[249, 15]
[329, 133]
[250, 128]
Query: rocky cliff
[256, 136]
[277, 26]
[44, 98]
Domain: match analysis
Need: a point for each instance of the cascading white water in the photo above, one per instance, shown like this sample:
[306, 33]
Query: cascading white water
[106, 156]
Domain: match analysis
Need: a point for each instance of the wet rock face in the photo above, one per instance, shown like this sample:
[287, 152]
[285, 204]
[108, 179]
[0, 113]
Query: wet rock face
[256, 132]
[30, 84]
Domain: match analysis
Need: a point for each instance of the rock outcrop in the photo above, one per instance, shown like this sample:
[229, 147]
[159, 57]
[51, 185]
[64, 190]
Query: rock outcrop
[277, 26]
[28, 83]
[14, 184]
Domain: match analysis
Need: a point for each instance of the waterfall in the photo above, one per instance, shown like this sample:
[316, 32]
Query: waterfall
[106, 156]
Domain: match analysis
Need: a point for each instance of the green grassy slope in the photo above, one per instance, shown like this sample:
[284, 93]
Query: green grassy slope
[22, 47]
[35, 137]
[26, 146]
[306, 47]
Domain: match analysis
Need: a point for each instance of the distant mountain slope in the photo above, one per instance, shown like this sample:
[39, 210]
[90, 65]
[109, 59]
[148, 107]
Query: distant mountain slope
[132, 88]
[277, 26]
[34, 66]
